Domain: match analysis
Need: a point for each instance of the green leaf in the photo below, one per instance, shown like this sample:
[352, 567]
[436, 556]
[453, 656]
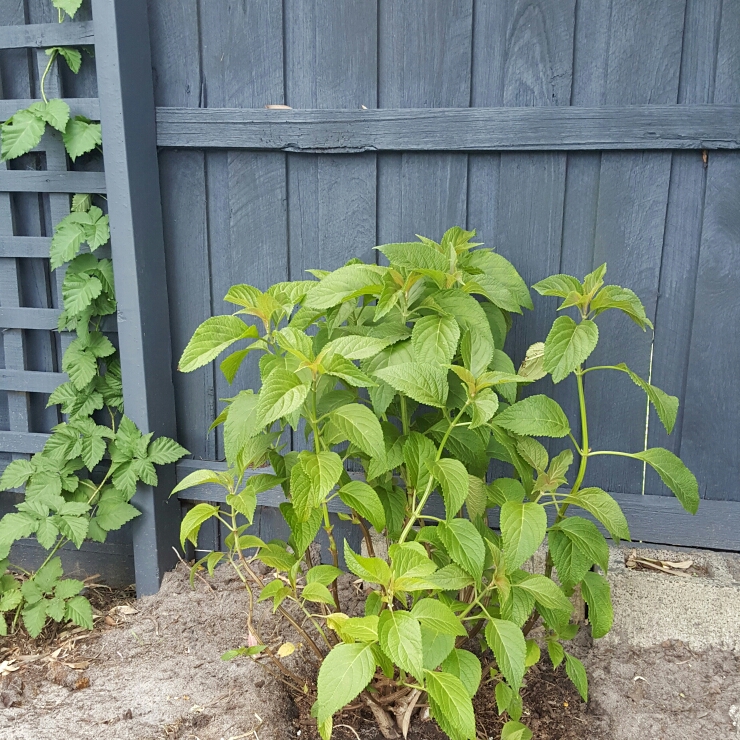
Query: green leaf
[21, 133]
[365, 501]
[434, 339]
[477, 498]
[34, 617]
[283, 392]
[323, 574]
[345, 283]
[81, 136]
[344, 673]
[674, 474]
[424, 383]
[198, 478]
[353, 347]
[113, 514]
[571, 564]
[318, 593]
[476, 350]
[79, 290]
[417, 450]
[81, 202]
[211, 338]
[545, 592]
[192, 521]
[533, 653]
[450, 578]
[68, 588]
[556, 652]
[509, 648]
[558, 285]
[74, 528]
[302, 533]
[164, 450]
[47, 533]
[623, 299]
[372, 570]
[16, 474]
[535, 416]
[436, 616]
[604, 508]
[568, 345]
[361, 427]
[577, 674]
[303, 495]
[451, 705]
[400, 639]
[347, 371]
[70, 7]
[466, 666]
[597, 594]
[464, 545]
[47, 576]
[586, 537]
[55, 112]
[415, 256]
[523, 527]
[453, 479]
[323, 470]
[66, 242]
[79, 612]
[533, 452]
[515, 731]
[666, 406]
[499, 282]
[72, 57]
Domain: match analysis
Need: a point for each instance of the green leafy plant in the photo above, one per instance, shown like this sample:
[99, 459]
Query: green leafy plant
[80, 485]
[401, 369]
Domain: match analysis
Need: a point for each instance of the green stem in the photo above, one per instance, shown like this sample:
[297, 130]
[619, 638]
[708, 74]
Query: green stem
[613, 452]
[430, 484]
[404, 416]
[52, 57]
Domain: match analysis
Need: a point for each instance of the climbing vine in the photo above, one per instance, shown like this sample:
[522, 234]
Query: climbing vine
[80, 485]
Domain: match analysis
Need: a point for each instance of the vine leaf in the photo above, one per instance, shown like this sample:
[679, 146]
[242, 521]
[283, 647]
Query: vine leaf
[211, 338]
[21, 133]
[81, 136]
[344, 673]
[70, 7]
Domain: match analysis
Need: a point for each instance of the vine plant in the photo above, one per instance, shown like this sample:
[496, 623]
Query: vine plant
[401, 369]
[80, 485]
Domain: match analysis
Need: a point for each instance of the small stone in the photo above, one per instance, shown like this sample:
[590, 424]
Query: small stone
[259, 683]
[666, 643]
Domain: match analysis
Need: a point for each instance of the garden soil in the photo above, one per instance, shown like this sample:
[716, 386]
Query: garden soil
[157, 674]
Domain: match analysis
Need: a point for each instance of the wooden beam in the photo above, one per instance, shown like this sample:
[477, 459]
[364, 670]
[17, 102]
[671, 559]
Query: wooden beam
[22, 442]
[453, 129]
[31, 381]
[25, 246]
[41, 181]
[40, 35]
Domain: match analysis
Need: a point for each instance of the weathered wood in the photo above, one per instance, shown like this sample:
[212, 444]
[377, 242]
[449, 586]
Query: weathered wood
[88, 107]
[711, 422]
[127, 112]
[453, 129]
[25, 246]
[44, 35]
[29, 318]
[22, 442]
[30, 381]
[28, 181]
[643, 67]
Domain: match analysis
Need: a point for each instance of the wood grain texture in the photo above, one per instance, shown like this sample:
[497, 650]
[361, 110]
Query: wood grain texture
[711, 422]
[424, 61]
[41, 181]
[242, 51]
[44, 35]
[683, 229]
[88, 107]
[643, 63]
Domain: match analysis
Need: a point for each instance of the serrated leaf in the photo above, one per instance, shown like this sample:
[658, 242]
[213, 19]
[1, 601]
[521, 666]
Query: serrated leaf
[324, 574]
[16, 474]
[417, 450]
[415, 256]
[424, 383]
[55, 112]
[361, 427]
[211, 338]
[577, 674]
[466, 666]
[68, 588]
[514, 730]
[70, 7]
[597, 594]
[353, 347]
[435, 338]
[666, 406]
[164, 450]
[373, 570]
[545, 592]
[344, 673]
[79, 612]
[345, 283]
[72, 57]
[66, 242]
[112, 515]
[451, 578]
[509, 648]
[623, 299]
[559, 285]
[586, 537]
[476, 350]
[21, 133]
[318, 593]
[464, 545]
[283, 392]
[197, 478]
[438, 617]
[302, 533]
[568, 345]
[674, 474]
[192, 521]
[571, 564]
[453, 479]
[81, 136]
[399, 635]
[365, 501]
[535, 416]
[556, 652]
[34, 617]
[79, 290]
[347, 371]
[451, 705]
[523, 527]
[500, 282]
[323, 470]
[604, 508]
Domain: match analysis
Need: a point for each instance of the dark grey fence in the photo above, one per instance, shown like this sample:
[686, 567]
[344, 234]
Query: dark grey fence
[567, 132]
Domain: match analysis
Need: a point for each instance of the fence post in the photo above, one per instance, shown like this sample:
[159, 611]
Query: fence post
[125, 89]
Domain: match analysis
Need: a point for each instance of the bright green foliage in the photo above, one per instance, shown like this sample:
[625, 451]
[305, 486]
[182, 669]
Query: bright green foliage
[398, 370]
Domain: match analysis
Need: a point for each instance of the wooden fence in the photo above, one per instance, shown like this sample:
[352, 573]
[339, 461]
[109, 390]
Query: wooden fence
[567, 132]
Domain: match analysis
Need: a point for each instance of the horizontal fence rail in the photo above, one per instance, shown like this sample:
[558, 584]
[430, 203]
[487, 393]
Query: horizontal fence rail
[43, 35]
[88, 107]
[453, 129]
[652, 519]
[47, 181]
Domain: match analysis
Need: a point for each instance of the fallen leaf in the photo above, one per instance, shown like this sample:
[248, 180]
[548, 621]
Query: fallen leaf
[286, 649]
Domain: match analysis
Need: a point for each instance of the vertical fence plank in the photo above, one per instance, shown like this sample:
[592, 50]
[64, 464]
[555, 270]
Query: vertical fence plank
[643, 66]
[127, 112]
[424, 60]
[177, 82]
[711, 422]
[683, 228]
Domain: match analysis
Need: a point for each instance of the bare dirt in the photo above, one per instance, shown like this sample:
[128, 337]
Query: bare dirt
[157, 674]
